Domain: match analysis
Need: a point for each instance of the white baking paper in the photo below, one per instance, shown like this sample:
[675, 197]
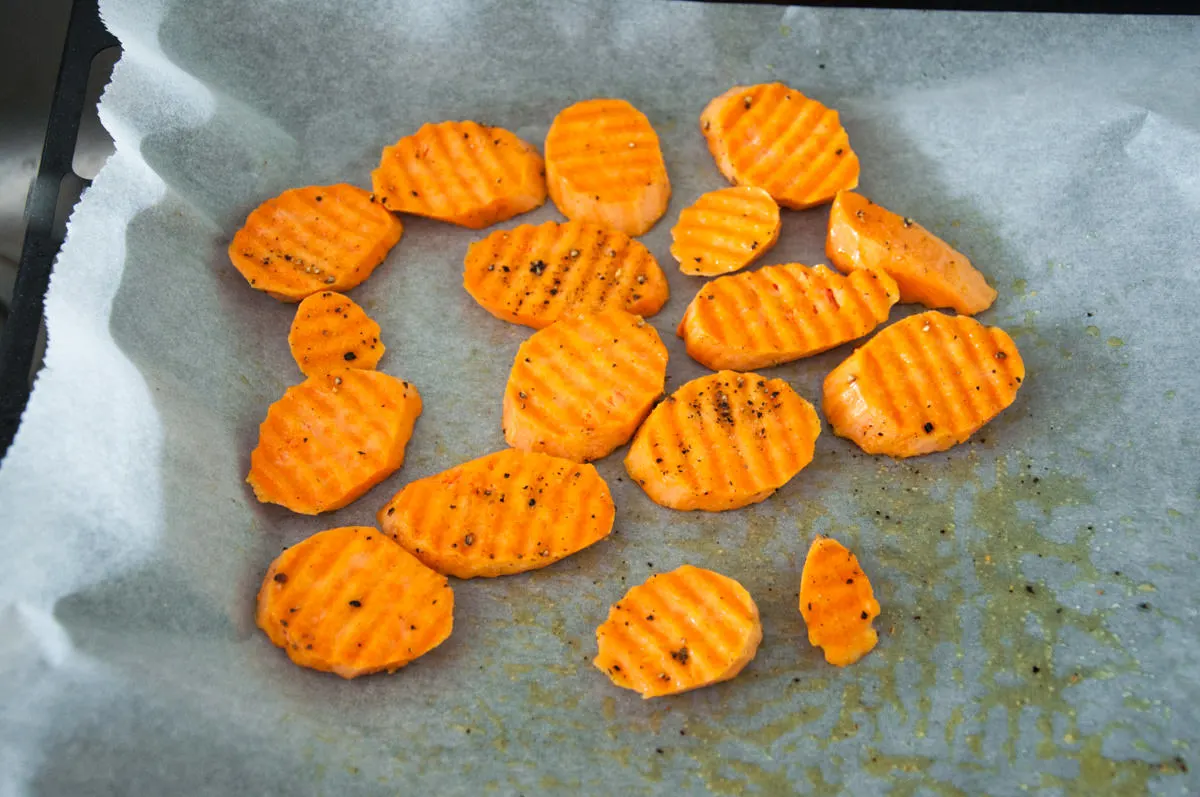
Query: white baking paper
[1039, 628]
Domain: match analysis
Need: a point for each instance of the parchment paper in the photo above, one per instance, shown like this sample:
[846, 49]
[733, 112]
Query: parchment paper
[1039, 627]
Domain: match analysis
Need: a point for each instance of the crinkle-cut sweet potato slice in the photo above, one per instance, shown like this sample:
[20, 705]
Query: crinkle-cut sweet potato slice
[535, 275]
[352, 602]
[604, 165]
[461, 172]
[678, 631]
[723, 441]
[773, 137]
[331, 332]
[504, 513]
[837, 603]
[318, 238]
[782, 313]
[725, 230]
[923, 384]
[580, 387]
[331, 438]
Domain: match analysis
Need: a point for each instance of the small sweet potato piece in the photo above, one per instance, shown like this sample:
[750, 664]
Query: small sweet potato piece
[678, 631]
[864, 235]
[837, 603]
[352, 602]
[331, 332]
[725, 230]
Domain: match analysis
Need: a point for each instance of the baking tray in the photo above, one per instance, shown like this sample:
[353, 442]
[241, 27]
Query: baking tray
[1038, 621]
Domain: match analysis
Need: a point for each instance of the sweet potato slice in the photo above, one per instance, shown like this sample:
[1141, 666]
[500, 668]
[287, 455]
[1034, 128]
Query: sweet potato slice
[504, 513]
[863, 235]
[923, 384]
[773, 137]
[331, 332]
[331, 438]
[723, 441]
[535, 275]
[782, 313]
[604, 165]
[352, 602]
[679, 631]
[725, 230]
[837, 603]
[461, 172]
[580, 387]
[319, 238]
